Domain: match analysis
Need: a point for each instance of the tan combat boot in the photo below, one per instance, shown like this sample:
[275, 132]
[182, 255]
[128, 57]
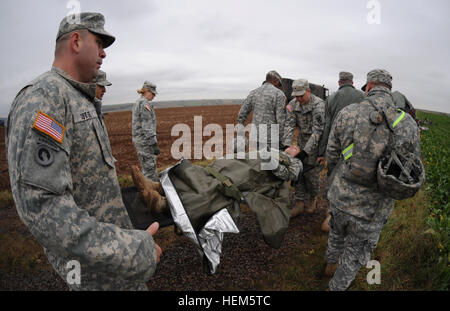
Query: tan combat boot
[330, 269]
[298, 209]
[150, 191]
[326, 224]
[142, 182]
[310, 209]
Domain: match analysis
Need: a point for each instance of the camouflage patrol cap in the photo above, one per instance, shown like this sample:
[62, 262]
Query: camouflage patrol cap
[299, 87]
[274, 74]
[150, 86]
[101, 79]
[343, 75]
[378, 75]
[94, 22]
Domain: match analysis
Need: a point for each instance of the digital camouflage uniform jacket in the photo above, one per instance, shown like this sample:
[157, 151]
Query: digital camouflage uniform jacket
[67, 192]
[363, 202]
[346, 95]
[268, 104]
[310, 118]
[144, 123]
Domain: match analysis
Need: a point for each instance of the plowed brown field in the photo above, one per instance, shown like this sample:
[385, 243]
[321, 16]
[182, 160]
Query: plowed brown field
[119, 129]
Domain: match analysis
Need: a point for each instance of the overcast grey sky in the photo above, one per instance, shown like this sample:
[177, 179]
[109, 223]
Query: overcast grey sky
[207, 49]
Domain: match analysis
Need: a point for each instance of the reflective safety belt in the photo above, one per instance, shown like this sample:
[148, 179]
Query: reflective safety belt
[348, 152]
[230, 189]
[401, 117]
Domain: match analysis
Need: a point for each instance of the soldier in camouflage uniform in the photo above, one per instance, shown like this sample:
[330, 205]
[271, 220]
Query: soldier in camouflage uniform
[401, 102]
[358, 208]
[100, 89]
[101, 84]
[346, 95]
[307, 112]
[268, 104]
[144, 131]
[62, 171]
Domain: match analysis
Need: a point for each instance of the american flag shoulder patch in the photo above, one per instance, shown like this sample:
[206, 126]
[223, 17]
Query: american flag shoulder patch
[49, 126]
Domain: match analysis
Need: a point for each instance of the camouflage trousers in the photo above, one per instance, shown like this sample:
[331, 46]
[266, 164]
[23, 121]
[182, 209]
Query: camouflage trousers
[148, 162]
[351, 242]
[308, 185]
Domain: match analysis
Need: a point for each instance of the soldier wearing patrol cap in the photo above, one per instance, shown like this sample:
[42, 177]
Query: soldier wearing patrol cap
[359, 138]
[346, 95]
[62, 170]
[101, 84]
[307, 112]
[268, 104]
[144, 135]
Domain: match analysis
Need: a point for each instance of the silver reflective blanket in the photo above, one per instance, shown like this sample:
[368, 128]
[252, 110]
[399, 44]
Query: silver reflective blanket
[209, 240]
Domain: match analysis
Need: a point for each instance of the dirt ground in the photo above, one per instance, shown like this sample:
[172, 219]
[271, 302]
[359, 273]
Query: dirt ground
[246, 259]
[4, 175]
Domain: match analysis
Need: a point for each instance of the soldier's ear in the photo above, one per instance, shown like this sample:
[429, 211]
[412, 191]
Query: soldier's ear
[76, 41]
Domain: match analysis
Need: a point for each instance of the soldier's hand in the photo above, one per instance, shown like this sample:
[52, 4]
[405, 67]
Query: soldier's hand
[297, 148]
[152, 230]
[293, 151]
[321, 160]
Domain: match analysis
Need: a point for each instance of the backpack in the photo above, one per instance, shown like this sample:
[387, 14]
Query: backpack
[378, 158]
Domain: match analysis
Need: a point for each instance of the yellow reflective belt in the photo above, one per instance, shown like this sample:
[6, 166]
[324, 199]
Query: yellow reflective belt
[402, 115]
[348, 152]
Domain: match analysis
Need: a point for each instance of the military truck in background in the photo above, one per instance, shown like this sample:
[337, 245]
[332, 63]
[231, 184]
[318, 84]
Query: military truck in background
[316, 89]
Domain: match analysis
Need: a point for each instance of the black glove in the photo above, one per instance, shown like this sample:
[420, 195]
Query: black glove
[302, 156]
[155, 149]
